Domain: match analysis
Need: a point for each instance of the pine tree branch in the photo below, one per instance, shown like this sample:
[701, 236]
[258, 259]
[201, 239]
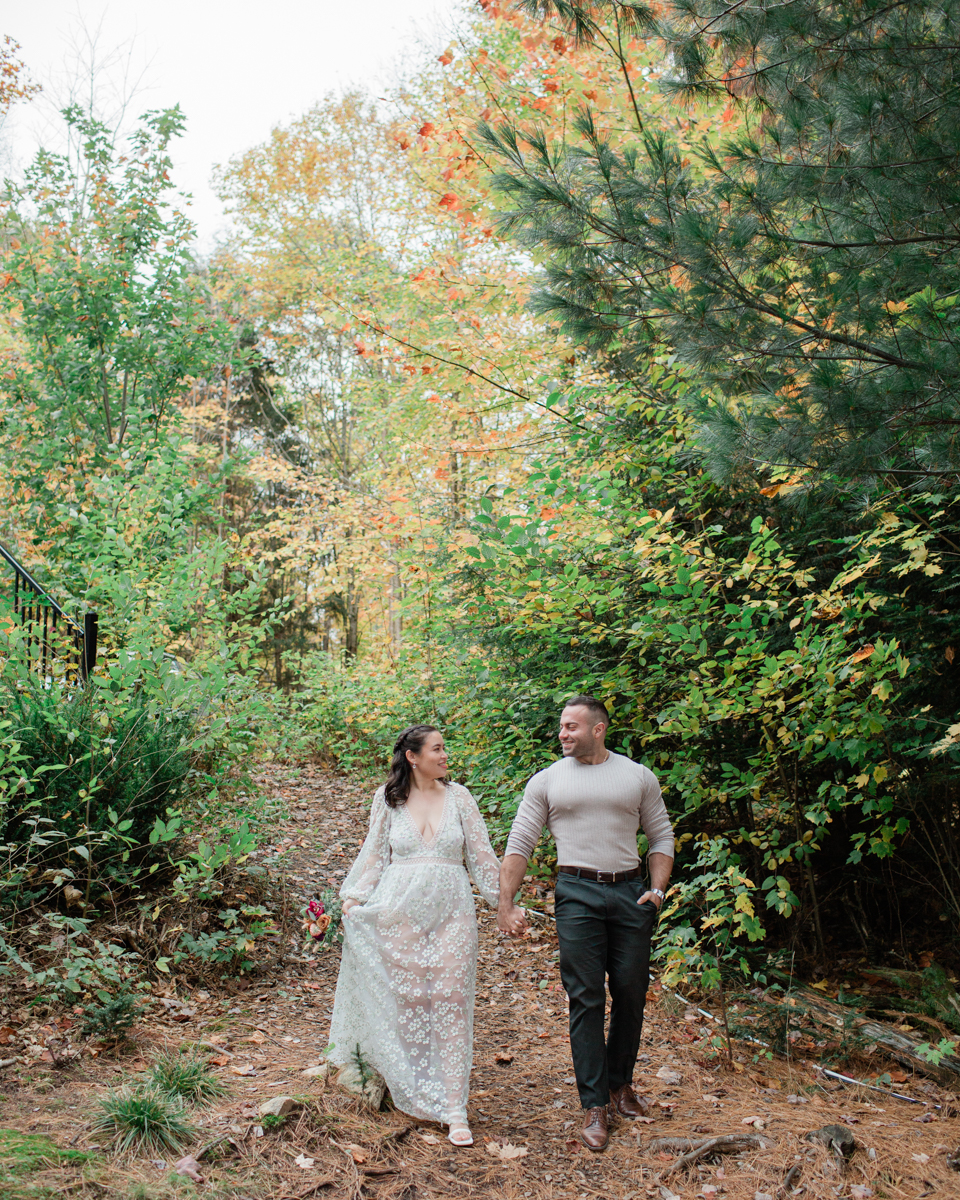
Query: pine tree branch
[932, 237]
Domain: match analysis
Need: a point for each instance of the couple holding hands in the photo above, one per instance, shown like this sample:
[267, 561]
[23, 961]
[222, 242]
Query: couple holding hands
[405, 993]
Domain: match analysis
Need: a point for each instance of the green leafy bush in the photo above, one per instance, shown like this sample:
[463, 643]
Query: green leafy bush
[74, 961]
[104, 772]
[231, 946]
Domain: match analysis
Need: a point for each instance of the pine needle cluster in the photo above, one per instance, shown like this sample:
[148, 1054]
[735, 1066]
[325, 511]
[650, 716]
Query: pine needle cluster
[805, 263]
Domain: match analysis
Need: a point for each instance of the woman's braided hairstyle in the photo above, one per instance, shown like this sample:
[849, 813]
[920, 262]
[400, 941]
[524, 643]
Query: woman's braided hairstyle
[397, 788]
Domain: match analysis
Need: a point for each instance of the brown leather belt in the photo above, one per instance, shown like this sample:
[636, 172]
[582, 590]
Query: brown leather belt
[600, 876]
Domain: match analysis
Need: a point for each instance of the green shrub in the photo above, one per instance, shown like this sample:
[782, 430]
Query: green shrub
[112, 1019]
[229, 947]
[144, 1119]
[73, 961]
[104, 769]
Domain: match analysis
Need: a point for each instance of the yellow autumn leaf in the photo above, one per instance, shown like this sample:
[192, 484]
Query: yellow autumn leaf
[744, 904]
[711, 921]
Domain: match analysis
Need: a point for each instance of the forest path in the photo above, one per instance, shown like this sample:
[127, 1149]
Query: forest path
[266, 1029]
[523, 1095]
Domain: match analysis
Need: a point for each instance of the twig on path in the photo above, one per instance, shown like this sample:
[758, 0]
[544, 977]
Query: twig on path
[678, 1145]
[871, 1086]
[729, 1143]
[218, 1049]
[210, 1145]
[357, 1192]
[397, 1135]
[789, 1180]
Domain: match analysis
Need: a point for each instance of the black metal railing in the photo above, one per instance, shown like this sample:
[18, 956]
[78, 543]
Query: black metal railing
[50, 634]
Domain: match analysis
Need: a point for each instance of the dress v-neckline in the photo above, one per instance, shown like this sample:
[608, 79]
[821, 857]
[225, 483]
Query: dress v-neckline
[443, 816]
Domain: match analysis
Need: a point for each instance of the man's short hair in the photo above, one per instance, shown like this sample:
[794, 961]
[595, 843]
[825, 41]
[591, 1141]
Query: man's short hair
[592, 705]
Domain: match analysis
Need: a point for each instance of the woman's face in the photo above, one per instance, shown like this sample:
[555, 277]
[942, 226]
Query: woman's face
[431, 759]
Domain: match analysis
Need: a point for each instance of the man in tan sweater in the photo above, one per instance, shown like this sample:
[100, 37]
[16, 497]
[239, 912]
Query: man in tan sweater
[593, 802]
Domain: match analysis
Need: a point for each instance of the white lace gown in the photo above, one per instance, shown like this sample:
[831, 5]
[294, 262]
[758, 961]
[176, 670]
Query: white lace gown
[409, 968]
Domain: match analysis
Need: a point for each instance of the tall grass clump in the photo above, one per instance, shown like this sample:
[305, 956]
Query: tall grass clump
[144, 1119]
[185, 1074]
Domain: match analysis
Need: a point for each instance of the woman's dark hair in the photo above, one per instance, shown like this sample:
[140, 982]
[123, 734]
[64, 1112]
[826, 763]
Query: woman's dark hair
[397, 788]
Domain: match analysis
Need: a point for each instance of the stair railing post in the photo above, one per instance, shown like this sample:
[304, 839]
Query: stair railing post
[89, 661]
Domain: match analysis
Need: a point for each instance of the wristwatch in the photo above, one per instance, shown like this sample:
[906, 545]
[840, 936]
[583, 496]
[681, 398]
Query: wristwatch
[657, 892]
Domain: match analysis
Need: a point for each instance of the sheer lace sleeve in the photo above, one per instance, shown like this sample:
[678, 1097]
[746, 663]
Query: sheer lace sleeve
[374, 855]
[482, 864]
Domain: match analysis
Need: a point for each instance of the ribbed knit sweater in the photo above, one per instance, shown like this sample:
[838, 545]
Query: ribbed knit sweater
[593, 812]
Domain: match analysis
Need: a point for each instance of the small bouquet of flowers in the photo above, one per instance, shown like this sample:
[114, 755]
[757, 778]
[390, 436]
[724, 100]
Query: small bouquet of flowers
[322, 914]
[317, 920]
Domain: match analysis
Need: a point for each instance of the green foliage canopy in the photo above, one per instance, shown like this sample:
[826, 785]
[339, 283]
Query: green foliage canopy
[808, 269]
[104, 292]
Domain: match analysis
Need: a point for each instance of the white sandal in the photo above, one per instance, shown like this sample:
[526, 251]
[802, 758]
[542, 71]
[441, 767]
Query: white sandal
[460, 1135]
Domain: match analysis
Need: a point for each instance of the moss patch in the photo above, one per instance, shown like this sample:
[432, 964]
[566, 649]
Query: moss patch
[31, 1151]
[23, 1153]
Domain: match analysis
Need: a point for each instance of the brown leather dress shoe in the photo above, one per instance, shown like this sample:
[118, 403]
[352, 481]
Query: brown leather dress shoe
[595, 1133]
[627, 1103]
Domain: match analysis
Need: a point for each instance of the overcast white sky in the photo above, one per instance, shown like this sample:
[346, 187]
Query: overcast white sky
[237, 69]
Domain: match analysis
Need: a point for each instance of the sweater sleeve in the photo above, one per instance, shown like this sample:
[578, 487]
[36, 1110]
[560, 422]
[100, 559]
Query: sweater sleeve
[530, 819]
[654, 819]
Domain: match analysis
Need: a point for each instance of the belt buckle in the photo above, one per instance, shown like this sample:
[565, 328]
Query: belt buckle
[606, 877]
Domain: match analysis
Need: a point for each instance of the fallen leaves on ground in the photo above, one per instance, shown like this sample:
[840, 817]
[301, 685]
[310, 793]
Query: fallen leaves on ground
[188, 1166]
[523, 1071]
[506, 1150]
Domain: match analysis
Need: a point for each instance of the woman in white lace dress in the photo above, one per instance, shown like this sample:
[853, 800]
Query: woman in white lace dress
[409, 968]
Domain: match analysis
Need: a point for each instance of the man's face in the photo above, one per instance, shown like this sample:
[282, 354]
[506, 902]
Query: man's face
[580, 732]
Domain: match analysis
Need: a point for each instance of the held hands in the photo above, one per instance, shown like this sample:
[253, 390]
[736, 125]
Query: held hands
[512, 921]
[347, 905]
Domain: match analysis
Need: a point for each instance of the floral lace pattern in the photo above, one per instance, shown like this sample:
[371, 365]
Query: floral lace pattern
[409, 968]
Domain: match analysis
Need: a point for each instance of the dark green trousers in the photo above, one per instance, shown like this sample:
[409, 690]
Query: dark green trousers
[604, 936]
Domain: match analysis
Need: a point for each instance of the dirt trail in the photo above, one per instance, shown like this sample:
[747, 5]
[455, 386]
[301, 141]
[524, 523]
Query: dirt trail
[523, 1098]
